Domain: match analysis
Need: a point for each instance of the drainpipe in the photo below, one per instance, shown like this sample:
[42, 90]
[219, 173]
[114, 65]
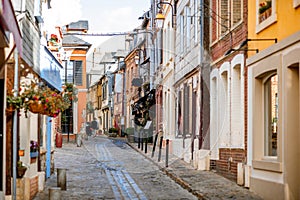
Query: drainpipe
[16, 85]
[200, 139]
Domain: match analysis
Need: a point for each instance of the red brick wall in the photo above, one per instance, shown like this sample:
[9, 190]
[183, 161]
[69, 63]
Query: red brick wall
[232, 39]
[226, 168]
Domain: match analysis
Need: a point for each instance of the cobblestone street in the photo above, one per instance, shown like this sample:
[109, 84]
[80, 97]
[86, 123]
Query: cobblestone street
[108, 169]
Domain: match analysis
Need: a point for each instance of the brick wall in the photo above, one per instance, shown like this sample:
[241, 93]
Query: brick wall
[226, 168]
[220, 45]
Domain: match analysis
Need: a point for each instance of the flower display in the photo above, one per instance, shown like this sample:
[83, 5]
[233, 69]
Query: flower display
[41, 99]
[263, 6]
[34, 146]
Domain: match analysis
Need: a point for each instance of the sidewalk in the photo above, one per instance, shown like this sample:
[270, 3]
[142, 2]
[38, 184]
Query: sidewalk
[203, 184]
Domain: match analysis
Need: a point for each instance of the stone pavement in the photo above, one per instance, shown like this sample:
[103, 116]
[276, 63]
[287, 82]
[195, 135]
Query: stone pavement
[203, 184]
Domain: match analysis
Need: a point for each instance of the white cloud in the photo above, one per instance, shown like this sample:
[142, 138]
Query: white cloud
[63, 12]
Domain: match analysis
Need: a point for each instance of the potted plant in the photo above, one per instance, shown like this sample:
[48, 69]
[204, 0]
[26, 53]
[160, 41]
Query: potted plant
[34, 149]
[53, 40]
[113, 132]
[20, 169]
[265, 10]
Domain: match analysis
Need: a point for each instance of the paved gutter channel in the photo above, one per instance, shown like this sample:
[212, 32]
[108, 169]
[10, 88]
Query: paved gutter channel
[173, 176]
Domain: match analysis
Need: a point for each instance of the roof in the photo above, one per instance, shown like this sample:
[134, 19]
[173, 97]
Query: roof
[73, 40]
[120, 53]
[79, 25]
[108, 57]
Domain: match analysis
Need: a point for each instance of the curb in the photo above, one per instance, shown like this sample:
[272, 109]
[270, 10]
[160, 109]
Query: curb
[173, 176]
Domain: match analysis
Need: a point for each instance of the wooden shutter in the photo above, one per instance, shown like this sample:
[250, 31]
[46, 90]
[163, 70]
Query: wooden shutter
[224, 16]
[236, 11]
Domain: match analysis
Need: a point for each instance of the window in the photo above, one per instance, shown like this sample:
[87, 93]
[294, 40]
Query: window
[73, 72]
[179, 114]
[264, 10]
[236, 10]
[271, 115]
[67, 120]
[188, 26]
[181, 29]
[266, 14]
[224, 17]
[78, 72]
[196, 19]
[227, 16]
[104, 91]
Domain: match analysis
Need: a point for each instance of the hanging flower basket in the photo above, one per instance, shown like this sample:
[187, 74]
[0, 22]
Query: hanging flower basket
[36, 107]
[38, 98]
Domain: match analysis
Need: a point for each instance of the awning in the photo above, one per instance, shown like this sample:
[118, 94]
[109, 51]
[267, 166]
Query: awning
[9, 22]
[50, 69]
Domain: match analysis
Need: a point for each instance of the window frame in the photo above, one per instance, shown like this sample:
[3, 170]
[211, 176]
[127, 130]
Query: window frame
[267, 104]
[267, 22]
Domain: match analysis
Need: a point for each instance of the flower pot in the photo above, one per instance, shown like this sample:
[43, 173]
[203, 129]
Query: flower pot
[10, 108]
[21, 171]
[34, 154]
[36, 107]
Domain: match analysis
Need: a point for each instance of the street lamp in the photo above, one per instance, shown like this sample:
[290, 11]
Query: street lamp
[160, 16]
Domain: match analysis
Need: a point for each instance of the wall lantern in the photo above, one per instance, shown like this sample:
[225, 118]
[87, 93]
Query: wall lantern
[160, 17]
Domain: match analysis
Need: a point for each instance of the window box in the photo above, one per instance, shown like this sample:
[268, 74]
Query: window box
[34, 154]
[266, 14]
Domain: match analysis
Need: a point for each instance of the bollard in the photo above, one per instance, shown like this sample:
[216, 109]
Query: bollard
[54, 193]
[139, 140]
[155, 141]
[167, 152]
[62, 178]
[160, 146]
[78, 140]
[146, 144]
[142, 144]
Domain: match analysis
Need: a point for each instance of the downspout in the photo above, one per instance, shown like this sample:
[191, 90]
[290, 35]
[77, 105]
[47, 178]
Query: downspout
[15, 118]
[200, 140]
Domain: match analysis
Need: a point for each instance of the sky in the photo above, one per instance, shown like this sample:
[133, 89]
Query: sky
[103, 16]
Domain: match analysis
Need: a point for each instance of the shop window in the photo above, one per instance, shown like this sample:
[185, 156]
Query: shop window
[271, 115]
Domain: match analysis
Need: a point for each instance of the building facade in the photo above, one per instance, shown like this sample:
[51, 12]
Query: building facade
[273, 103]
[228, 136]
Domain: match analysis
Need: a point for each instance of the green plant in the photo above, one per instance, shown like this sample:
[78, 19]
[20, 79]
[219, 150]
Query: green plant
[89, 107]
[71, 92]
[39, 99]
[130, 131]
[263, 6]
[15, 102]
[113, 130]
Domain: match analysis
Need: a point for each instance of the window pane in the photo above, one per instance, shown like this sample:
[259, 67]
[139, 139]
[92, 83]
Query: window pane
[236, 11]
[78, 72]
[271, 115]
[224, 16]
[67, 120]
